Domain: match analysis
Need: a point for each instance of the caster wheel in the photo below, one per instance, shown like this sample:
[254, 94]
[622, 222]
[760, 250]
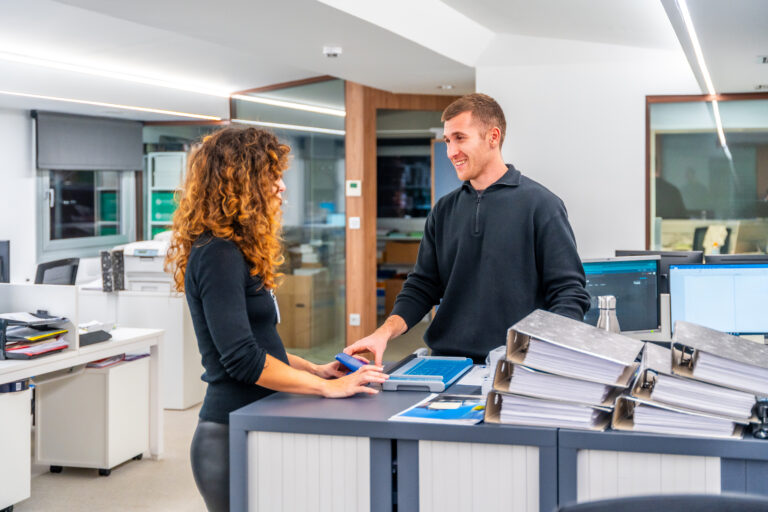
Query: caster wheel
[56, 469]
[105, 472]
[139, 456]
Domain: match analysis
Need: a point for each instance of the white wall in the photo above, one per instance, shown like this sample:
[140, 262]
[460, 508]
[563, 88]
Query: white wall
[576, 124]
[17, 192]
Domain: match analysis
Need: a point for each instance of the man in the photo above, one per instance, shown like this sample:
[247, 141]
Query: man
[493, 250]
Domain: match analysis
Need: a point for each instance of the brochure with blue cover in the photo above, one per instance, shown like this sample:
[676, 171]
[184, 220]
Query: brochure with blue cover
[445, 409]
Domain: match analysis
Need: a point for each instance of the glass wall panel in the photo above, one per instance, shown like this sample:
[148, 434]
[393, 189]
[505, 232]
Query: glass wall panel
[312, 295]
[706, 195]
[84, 204]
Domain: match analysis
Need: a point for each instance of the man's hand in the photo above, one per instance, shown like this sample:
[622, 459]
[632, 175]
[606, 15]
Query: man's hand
[333, 370]
[376, 343]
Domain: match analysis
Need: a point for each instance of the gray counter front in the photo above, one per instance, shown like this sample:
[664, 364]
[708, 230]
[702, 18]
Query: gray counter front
[295, 452]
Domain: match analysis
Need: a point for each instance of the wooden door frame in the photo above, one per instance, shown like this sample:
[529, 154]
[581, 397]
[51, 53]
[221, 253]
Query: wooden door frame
[362, 104]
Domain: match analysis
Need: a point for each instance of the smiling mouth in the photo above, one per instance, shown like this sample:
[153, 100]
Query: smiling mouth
[459, 163]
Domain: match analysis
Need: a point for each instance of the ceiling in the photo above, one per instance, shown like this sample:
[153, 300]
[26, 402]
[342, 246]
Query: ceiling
[242, 44]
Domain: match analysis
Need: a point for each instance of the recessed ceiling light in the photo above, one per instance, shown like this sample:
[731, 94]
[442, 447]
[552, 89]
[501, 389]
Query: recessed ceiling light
[445, 87]
[291, 104]
[112, 105]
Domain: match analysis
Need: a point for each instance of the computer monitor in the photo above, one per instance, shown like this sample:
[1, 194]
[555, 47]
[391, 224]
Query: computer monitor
[633, 280]
[5, 261]
[735, 259]
[667, 258]
[57, 272]
[729, 298]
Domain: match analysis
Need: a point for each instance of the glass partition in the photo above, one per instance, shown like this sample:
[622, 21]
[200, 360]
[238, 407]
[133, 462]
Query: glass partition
[709, 191]
[312, 295]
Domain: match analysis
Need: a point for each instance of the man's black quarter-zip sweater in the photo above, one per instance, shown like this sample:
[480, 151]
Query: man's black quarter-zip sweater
[492, 256]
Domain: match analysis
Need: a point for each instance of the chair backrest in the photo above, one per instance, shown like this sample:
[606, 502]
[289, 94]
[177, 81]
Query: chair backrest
[675, 503]
[698, 239]
[57, 272]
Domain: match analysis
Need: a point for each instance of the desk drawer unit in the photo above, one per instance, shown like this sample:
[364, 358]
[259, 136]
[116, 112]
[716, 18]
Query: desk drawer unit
[97, 419]
[289, 472]
[477, 477]
[15, 431]
[612, 474]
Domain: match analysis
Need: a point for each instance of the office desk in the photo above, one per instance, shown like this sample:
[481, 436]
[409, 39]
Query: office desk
[123, 340]
[295, 452]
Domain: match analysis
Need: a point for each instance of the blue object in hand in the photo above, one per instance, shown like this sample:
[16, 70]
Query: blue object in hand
[350, 362]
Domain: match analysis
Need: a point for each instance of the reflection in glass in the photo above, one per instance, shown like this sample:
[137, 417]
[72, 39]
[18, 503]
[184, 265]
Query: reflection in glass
[84, 204]
[706, 196]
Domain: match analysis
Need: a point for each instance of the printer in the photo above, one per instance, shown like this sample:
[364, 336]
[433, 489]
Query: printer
[143, 264]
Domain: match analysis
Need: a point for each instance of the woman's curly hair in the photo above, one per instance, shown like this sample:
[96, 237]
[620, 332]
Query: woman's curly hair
[230, 191]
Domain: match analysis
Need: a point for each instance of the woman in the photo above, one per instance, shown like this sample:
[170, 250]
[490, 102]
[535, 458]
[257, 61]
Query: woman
[224, 255]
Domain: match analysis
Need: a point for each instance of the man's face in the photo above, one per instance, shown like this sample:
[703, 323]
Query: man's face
[469, 146]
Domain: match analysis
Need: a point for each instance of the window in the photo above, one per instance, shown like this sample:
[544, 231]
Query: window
[83, 212]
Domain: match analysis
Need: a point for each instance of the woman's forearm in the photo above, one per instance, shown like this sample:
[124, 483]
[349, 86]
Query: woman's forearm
[279, 376]
[302, 364]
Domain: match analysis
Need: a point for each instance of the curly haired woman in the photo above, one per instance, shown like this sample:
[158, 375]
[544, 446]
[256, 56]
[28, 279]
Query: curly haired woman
[224, 255]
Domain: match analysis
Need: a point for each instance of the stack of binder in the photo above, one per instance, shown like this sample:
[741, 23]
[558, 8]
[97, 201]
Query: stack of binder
[562, 373]
[704, 386]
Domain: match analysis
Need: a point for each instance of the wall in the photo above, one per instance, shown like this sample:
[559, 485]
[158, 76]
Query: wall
[17, 192]
[576, 123]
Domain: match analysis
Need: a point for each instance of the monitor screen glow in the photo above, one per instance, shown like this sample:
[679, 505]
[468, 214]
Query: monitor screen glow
[728, 298]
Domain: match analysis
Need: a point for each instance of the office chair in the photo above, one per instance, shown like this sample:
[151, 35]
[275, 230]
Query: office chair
[57, 272]
[700, 233]
[675, 503]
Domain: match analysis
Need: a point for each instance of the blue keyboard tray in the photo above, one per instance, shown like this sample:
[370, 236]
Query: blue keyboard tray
[433, 374]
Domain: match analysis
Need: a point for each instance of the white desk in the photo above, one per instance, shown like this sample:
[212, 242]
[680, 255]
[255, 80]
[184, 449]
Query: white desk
[182, 367]
[123, 340]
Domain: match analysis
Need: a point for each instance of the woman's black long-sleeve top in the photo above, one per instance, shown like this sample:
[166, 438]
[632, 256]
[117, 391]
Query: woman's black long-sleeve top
[234, 318]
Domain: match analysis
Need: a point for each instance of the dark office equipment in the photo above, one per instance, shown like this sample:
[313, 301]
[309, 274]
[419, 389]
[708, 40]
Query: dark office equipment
[118, 270]
[5, 261]
[675, 503]
[728, 298]
[634, 283]
[57, 272]
[760, 430]
[735, 259]
[700, 233]
[107, 284]
[667, 258]
[89, 338]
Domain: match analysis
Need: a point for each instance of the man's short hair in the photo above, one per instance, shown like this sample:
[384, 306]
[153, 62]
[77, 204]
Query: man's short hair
[483, 108]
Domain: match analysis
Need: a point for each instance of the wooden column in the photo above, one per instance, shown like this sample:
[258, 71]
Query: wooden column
[361, 106]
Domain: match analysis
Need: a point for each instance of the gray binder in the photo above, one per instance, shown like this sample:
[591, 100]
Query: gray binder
[576, 336]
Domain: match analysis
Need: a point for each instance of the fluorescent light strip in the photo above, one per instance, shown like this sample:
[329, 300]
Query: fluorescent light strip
[683, 6]
[76, 68]
[290, 104]
[290, 127]
[112, 105]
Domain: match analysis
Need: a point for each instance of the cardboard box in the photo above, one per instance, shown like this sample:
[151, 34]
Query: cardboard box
[307, 309]
[401, 252]
[392, 288]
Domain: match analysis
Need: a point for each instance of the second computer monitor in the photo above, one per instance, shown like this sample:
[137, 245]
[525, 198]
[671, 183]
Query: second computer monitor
[634, 283]
[735, 259]
[729, 298]
[667, 258]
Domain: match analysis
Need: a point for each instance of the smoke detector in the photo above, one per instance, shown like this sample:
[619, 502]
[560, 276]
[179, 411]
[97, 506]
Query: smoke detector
[332, 51]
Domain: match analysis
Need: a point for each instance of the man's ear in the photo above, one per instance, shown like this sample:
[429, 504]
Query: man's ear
[494, 137]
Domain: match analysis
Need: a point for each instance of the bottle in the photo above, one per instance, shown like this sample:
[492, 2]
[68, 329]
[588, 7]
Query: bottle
[607, 319]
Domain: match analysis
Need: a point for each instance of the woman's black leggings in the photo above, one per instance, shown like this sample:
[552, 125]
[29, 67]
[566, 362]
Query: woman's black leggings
[210, 464]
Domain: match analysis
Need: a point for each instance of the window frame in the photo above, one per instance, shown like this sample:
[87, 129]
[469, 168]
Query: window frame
[83, 247]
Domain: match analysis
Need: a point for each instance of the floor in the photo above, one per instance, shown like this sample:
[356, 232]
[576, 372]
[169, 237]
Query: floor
[144, 485]
[157, 485]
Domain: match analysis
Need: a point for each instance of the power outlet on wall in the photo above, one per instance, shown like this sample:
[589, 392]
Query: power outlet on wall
[354, 319]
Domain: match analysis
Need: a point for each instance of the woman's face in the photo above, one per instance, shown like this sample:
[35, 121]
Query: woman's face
[279, 189]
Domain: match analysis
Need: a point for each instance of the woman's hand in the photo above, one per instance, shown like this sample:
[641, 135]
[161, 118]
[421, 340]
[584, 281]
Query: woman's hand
[334, 369]
[355, 382]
